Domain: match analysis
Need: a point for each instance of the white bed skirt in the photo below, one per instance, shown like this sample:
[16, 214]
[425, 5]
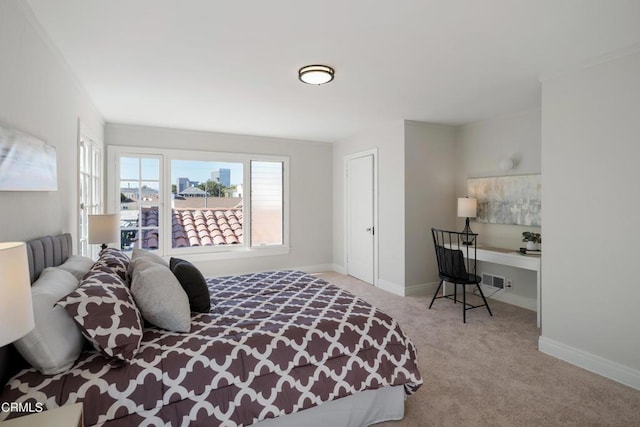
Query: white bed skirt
[362, 409]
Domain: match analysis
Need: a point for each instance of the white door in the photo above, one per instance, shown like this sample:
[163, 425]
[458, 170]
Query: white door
[360, 218]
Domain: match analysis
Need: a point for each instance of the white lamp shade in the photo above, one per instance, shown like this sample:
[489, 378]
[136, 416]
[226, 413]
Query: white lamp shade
[467, 207]
[16, 308]
[104, 228]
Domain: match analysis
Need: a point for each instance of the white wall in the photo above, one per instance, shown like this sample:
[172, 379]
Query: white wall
[590, 178]
[430, 198]
[310, 190]
[389, 139]
[39, 95]
[480, 147]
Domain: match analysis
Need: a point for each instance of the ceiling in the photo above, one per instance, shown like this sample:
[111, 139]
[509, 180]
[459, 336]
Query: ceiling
[231, 66]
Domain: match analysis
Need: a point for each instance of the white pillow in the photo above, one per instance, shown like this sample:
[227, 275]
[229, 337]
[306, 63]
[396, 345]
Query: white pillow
[77, 265]
[56, 342]
[160, 297]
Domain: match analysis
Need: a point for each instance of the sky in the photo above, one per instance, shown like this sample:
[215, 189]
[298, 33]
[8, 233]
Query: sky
[193, 169]
[201, 171]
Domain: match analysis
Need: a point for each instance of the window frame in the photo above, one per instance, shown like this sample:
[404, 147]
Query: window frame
[93, 201]
[246, 249]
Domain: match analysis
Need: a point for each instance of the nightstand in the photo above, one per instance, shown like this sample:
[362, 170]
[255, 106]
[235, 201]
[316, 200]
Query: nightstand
[64, 416]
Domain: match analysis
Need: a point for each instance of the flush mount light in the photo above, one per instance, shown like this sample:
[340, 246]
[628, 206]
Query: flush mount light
[316, 74]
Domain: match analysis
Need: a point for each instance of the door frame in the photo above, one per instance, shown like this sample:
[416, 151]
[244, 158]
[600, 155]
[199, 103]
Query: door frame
[346, 211]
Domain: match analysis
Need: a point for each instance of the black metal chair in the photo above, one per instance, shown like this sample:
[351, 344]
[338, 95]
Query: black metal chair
[451, 252]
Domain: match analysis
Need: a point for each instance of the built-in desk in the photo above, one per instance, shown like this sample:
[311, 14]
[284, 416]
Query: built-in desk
[515, 259]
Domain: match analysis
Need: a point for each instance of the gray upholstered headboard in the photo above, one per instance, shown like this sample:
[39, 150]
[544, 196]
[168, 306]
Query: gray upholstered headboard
[48, 251]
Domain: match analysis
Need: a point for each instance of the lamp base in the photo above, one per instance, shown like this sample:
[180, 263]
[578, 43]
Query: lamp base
[467, 236]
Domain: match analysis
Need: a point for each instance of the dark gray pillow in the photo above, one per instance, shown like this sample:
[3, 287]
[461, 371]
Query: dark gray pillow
[193, 283]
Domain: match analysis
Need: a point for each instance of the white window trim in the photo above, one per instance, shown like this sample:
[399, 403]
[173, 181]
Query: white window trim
[96, 146]
[205, 252]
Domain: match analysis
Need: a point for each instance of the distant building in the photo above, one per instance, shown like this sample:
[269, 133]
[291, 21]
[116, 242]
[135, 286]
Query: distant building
[135, 194]
[193, 192]
[237, 192]
[183, 184]
[223, 176]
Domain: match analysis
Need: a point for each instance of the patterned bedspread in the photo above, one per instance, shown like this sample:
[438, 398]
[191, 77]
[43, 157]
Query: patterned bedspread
[274, 343]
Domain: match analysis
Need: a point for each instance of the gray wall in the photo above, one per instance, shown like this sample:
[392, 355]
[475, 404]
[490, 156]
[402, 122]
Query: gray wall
[590, 176]
[388, 138]
[416, 186]
[430, 198]
[39, 95]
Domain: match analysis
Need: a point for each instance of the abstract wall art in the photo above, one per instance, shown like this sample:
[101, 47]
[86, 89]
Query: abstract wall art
[26, 162]
[508, 199]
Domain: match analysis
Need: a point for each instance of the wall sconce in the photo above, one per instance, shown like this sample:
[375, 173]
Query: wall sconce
[507, 164]
[467, 208]
[16, 308]
[104, 229]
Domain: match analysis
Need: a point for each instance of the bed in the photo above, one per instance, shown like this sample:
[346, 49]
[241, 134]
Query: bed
[278, 348]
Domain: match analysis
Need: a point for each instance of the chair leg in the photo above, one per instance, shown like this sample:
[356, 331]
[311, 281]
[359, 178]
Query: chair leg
[435, 294]
[464, 304]
[484, 299]
[455, 293]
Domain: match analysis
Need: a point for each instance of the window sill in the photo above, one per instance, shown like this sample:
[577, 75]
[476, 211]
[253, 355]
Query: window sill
[234, 254]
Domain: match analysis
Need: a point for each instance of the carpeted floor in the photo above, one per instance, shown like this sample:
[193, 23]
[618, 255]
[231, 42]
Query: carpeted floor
[489, 372]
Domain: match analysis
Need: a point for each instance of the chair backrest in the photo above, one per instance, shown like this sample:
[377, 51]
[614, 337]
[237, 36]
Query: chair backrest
[451, 252]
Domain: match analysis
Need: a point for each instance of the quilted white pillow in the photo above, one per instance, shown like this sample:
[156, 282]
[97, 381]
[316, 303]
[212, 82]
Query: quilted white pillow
[56, 342]
[160, 297]
[77, 265]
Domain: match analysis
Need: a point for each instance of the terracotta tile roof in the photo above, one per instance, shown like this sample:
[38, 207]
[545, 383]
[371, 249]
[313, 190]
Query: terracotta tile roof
[206, 227]
[149, 219]
[195, 227]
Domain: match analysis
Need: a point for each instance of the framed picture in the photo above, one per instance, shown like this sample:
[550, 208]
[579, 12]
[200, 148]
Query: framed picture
[508, 199]
[26, 162]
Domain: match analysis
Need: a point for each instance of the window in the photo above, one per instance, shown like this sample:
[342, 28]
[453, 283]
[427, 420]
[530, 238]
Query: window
[90, 190]
[140, 202]
[266, 201]
[188, 202]
[207, 204]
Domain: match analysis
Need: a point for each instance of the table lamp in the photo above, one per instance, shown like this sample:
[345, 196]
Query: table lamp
[16, 308]
[104, 229]
[467, 208]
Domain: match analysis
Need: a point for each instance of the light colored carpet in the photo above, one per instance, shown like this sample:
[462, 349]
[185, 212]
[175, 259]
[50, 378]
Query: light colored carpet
[489, 372]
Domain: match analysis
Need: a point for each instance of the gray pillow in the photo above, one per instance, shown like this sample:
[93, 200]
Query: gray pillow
[139, 255]
[56, 342]
[77, 265]
[160, 297]
[151, 256]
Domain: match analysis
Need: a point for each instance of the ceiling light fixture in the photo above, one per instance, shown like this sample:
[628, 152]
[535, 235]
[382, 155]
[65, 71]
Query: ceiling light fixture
[316, 74]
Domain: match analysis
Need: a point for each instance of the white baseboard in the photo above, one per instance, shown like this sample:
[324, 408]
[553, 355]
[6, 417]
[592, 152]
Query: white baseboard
[591, 362]
[413, 290]
[340, 269]
[394, 288]
[421, 290]
[509, 298]
[319, 268]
